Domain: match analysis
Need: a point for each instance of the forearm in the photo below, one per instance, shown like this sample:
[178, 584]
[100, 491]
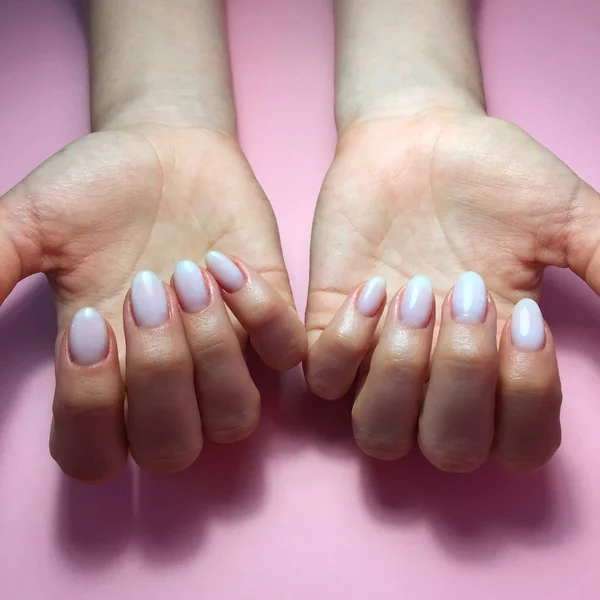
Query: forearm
[159, 61]
[399, 57]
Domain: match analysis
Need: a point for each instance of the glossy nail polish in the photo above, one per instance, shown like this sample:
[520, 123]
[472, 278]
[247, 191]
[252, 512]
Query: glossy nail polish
[149, 300]
[88, 338]
[225, 271]
[371, 296]
[469, 299]
[417, 303]
[190, 286]
[527, 326]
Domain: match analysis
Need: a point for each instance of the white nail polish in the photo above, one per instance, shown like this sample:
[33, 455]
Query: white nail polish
[88, 338]
[527, 326]
[371, 297]
[190, 286]
[469, 299]
[149, 300]
[225, 271]
[417, 303]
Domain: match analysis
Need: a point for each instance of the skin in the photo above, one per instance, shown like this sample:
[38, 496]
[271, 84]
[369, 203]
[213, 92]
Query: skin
[160, 179]
[424, 182]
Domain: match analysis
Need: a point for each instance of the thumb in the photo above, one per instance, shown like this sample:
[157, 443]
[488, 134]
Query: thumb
[582, 241]
[20, 239]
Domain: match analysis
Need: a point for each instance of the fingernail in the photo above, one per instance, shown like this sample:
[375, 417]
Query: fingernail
[469, 299]
[527, 326]
[190, 286]
[417, 303]
[149, 300]
[88, 338]
[225, 271]
[371, 297]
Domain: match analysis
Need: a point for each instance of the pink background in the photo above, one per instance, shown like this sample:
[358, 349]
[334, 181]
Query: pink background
[296, 512]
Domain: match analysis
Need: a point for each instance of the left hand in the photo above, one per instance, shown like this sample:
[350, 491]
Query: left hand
[438, 194]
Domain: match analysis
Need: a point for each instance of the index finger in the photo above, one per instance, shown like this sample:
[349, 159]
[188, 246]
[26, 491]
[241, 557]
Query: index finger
[275, 330]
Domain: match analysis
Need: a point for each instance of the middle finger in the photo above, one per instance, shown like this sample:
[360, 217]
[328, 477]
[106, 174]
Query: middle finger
[456, 427]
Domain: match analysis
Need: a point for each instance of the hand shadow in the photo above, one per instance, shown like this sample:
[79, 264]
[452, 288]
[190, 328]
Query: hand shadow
[226, 483]
[28, 330]
[175, 511]
[166, 515]
[472, 515]
[573, 313]
[95, 522]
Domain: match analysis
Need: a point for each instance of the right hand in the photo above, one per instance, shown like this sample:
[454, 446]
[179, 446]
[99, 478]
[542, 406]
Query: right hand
[92, 216]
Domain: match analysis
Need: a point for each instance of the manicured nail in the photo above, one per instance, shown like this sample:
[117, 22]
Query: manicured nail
[527, 326]
[225, 271]
[469, 299]
[190, 286]
[417, 302]
[88, 338]
[149, 300]
[371, 296]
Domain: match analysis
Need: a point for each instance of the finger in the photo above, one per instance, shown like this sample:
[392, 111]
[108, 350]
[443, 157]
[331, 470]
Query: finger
[384, 417]
[229, 401]
[578, 239]
[456, 427]
[334, 358]
[529, 396]
[164, 428]
[275, 331]
[88, 438]
[21, 243]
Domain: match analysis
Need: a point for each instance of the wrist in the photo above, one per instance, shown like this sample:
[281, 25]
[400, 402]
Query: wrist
[401, 57]
[418, 97]
[163, 104]
[158, 61]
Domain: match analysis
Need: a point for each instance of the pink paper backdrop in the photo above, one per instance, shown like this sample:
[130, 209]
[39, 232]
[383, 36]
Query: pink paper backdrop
[296, 513]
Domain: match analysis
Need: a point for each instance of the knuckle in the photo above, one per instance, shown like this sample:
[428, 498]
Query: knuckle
[525, 464]
[89, 472]
[239, 423]
[529, 457]
[383, 446]
[168, 363]
[394, 364]
[453, 458]
[95, 400]
[213, 348]
[536, 390]
[345, 347]
[262, 314]
[469, 359]
[167, 460]
[87, 467]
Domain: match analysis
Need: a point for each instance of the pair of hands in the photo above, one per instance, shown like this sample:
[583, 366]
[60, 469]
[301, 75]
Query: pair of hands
[439, 193]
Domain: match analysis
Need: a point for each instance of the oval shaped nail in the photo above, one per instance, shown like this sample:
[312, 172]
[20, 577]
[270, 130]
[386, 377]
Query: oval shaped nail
[527, 326]
[225, 271]
[371, 296]
[88, 337]
[469, 299]
[190, 286]
[417, 303]
[149, 300]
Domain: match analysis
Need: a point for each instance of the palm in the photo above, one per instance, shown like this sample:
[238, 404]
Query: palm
[438, 196]
[114, 203]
